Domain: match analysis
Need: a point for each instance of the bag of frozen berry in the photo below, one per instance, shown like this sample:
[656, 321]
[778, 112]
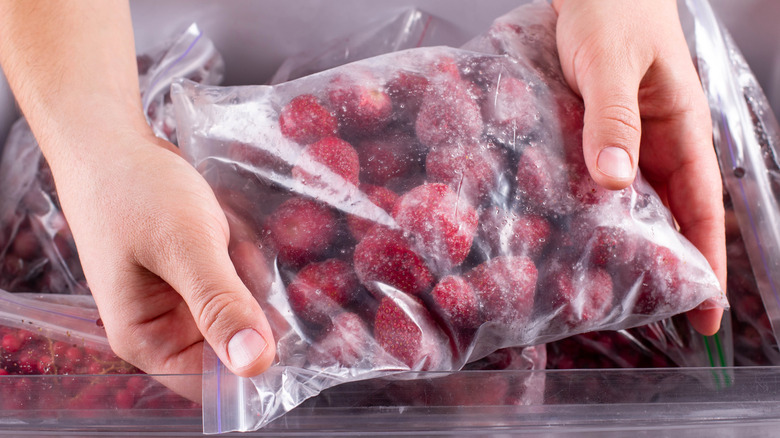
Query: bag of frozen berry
[747, 137]
[419, 210]
[61, 335]
[410, 28]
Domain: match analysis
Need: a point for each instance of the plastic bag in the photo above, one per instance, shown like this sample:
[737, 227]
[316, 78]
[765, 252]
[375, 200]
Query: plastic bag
[192, 55]
[62, 335]
[746, 133]
[38, 251]
[408, 29]
[409, 233]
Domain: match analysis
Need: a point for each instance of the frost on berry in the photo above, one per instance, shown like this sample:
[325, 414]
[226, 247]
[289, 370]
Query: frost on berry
[305, 120]
[302, 230]
[448, 114]
[321, 290]
[505, 287]
[346, 342]
[405, 330]
[441, 223]
[473, 169]
[359, 99]
[384, 257]
[330, 162]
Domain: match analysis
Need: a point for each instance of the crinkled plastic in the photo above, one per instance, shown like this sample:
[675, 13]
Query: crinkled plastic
[191, 55]
[420, 210]
[38, 251]
[410, 28]
[746, 138]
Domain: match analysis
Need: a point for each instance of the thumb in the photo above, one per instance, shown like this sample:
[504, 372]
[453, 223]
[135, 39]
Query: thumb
[226, 313]
[612, 125]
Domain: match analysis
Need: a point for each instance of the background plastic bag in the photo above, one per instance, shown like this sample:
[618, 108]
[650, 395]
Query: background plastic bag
[408, 29]
[746, 132]
[267, 153]
[38, 251]
[62, 335]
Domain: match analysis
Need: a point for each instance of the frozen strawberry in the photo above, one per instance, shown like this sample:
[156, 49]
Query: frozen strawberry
[360, 102]
[511, 110]
[385, 257]
[448, 114]
[387, 158]
[406, 89]
[379, 196]
[344, 343]
[578, 297]
[585, 190]
[570, 114]
[329, 162]
[302, 230]
[611, 246]
[321, 290]
[456, 302]
[442, 224]
[404, 329]
[542, 182]
[505, 232]
[662, 288]
[474, 169]
[305, 120]
[505, 287]
[446, 68]
[258, 157]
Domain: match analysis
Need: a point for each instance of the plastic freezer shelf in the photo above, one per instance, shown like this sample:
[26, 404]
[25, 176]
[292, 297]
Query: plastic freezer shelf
[680, 401]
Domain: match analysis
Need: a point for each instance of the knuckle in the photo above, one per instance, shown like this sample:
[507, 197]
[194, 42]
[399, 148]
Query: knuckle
[622, 120]
[215, 313]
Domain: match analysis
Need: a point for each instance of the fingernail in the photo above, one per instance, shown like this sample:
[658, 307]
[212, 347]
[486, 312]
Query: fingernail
[245, 347]
[615, 162]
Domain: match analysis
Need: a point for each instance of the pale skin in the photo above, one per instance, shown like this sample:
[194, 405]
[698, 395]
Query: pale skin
[153, 239]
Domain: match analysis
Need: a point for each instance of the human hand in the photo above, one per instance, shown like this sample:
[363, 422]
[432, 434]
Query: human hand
[153, 242]
[644, 107]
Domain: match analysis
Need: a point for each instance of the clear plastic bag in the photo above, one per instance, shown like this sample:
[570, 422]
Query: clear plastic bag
[62, 335]
[408, 29]
[191, 55]
[38, 250]
[409, 233]
[746, 138]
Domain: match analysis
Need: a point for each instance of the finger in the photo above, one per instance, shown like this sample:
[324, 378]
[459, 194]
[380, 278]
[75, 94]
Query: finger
[612, 126]
[229, 317]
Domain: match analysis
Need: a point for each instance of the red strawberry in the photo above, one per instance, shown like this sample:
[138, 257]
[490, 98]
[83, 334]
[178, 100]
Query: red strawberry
[387, 158]
[542, 182]
[577, 298]
[505, 287]
[258, 157]
[329, 162]
[448, 114]
[443, 225]
[302, 230]
[362, 106]
[321, 290]
[385, 257]
[511, 110]
[379, 196]
[344, 343]
[305, 120]
[471, 168]
[406, 89]
[662, 289]
[508, 233]
[405, 330]
[457, 303]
